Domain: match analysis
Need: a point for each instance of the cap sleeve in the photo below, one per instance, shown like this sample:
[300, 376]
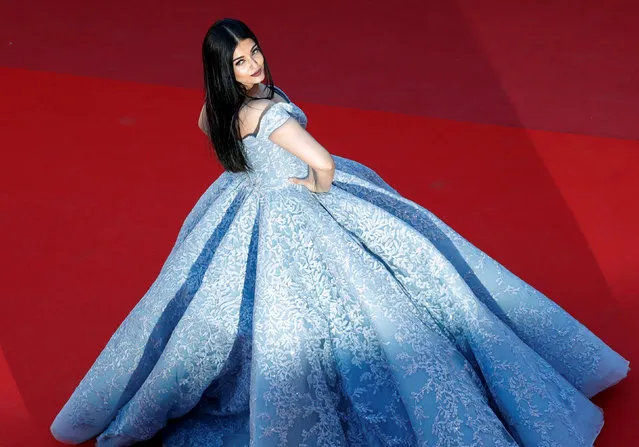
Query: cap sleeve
[273, 117]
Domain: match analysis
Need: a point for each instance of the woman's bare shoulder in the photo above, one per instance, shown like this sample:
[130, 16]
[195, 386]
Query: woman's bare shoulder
[251, 113]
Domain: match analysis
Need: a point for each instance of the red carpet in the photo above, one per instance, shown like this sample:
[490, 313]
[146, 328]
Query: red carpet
[100, 166]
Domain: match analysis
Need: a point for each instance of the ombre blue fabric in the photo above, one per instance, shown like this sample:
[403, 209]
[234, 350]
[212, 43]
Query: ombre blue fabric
[355, 317]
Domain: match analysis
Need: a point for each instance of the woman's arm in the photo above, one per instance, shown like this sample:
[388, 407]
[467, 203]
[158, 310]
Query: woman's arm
[202, 122]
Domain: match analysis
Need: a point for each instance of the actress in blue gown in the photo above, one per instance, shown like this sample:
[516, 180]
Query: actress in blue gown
[329, 310]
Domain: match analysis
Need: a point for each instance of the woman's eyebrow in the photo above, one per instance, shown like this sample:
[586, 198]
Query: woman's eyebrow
[252, 48]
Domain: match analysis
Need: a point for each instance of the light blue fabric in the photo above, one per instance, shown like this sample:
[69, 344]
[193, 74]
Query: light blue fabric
[355, 317]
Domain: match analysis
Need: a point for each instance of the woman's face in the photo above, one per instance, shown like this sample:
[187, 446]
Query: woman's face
[247, 60]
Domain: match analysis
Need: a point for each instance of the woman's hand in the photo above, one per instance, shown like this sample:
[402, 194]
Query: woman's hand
[310, 181]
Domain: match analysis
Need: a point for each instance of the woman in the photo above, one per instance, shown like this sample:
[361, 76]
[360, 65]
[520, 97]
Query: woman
[306, 302]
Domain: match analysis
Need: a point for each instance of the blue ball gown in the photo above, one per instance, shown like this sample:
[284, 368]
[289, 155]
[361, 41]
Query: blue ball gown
[283, 317]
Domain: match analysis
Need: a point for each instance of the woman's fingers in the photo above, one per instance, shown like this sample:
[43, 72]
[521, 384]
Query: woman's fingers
[309, 184]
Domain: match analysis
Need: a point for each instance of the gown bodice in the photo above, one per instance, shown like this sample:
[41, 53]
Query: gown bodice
[273, 165]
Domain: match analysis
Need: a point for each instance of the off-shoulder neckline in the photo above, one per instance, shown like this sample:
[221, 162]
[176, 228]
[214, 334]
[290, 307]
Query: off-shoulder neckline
[258, 129]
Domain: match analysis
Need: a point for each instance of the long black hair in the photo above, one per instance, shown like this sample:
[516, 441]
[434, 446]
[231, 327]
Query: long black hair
[224, 95]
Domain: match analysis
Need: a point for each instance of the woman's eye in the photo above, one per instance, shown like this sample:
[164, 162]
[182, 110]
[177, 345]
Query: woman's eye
[254, 51]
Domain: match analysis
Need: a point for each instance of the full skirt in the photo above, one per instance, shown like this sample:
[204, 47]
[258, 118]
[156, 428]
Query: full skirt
[355, 317]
